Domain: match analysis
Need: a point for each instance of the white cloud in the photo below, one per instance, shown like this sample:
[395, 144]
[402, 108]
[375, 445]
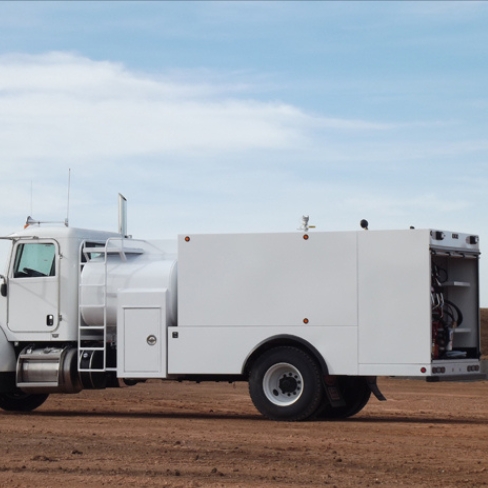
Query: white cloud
[61, 106]
[128, 131]
[197, 147]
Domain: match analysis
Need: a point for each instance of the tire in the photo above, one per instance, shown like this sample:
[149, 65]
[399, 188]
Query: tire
[356, 393]
[21, 402]
[285, 384]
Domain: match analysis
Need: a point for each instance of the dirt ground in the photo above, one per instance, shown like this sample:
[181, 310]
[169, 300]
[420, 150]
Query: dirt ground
[210, 435]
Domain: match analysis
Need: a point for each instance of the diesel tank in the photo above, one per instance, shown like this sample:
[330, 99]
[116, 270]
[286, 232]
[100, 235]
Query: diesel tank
[124, 265]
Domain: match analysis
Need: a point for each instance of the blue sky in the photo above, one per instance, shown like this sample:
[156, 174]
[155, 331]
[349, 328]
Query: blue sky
[243, 116]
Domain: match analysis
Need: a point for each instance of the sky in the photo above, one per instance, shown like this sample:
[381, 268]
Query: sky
[243, 116]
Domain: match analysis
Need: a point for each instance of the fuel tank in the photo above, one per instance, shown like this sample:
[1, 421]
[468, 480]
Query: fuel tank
[103, 276]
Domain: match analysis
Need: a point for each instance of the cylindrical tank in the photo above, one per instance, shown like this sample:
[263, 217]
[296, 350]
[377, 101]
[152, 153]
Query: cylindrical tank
[101, 281]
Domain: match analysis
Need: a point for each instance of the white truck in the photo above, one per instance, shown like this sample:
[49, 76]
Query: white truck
[308, 319]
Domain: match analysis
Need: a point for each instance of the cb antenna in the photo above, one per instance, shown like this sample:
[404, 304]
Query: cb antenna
[66, 222]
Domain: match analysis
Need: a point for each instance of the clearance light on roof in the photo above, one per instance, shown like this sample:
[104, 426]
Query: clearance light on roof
[30, 221]
[437, 235]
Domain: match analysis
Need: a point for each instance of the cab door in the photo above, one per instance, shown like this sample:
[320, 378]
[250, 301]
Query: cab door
[33, 287]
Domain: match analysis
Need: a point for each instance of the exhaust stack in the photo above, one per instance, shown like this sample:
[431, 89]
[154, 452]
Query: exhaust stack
[122, 215]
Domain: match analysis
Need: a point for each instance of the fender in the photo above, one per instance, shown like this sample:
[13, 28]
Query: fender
[8, 360]
[286, 339]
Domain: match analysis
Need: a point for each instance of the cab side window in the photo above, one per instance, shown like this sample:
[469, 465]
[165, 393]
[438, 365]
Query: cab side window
[35, 260]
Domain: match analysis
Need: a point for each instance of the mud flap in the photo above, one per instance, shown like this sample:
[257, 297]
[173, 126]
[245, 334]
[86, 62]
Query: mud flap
[334, 395]
[371, 380]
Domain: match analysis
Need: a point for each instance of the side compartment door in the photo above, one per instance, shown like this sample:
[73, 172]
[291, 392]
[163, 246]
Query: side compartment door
[33, 287]
[142, 318]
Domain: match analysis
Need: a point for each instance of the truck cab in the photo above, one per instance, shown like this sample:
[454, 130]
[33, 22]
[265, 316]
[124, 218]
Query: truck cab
[40, 299]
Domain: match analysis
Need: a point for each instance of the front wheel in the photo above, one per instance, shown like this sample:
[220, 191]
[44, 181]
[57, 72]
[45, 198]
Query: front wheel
[21, 402]
[285, 384]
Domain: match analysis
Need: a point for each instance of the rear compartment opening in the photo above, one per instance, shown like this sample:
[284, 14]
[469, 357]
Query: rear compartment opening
[455, 331]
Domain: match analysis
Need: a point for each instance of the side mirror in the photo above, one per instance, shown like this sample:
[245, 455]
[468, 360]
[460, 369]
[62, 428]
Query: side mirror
[3, 286]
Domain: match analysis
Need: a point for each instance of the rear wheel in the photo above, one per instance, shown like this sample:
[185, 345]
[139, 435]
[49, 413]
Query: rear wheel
[21, 402]
[356, 393]
[285, 384]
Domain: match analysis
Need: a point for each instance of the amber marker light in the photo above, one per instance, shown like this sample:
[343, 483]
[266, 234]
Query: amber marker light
[305, 236]
[187, 239]
[305, 321]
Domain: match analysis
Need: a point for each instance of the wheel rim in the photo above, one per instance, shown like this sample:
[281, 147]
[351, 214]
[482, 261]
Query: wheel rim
[283, 384]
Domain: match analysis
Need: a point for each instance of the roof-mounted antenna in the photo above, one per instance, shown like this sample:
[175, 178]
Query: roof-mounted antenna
[66, 222]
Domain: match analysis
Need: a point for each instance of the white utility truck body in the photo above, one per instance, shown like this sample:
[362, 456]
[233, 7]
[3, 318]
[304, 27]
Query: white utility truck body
[308, 318]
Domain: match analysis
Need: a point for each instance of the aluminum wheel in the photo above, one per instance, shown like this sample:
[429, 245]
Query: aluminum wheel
[283, 384]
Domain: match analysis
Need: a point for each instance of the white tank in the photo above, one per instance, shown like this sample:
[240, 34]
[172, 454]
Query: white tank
[135, 271]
